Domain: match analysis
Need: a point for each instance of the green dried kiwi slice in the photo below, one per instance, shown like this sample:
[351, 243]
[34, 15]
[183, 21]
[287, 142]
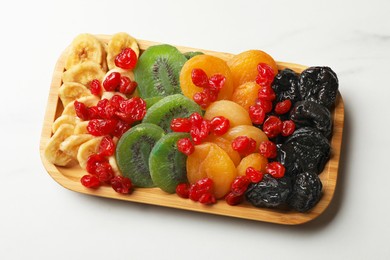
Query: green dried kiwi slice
[167, 164]
[133, 150]
[168, 108]
[157, 71]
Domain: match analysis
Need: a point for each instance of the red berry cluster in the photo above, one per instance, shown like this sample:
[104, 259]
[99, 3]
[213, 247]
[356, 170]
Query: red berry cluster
[116, 82]
[101, 172]
[112, 116]
[272, 125]
[211, 87]
[199, 128]
[201, 191]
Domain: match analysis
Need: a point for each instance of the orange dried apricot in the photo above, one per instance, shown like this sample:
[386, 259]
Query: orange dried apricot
[254, 160]
[246, 94]
[211, 65]
[226, 145]
[236, 114]
[243, 66]
[246, 130]
[209, 160]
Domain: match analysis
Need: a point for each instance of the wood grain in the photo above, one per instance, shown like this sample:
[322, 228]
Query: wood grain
[69, 177]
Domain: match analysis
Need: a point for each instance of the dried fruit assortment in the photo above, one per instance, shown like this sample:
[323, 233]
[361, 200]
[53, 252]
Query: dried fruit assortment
[192, 124]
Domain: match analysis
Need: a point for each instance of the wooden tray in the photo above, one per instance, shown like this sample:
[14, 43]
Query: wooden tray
[70, 177]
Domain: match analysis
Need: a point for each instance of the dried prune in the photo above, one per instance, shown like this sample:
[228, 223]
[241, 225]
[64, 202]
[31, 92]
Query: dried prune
[305, 150]
[285, 85]
[319, 84]
[306, 192]
[270, 192]
[308, 113]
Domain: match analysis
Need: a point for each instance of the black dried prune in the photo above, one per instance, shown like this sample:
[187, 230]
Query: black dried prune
[306, 192]
[319, 84]
[285, 85]
[308, 113]
[270, 192]
[305, 150]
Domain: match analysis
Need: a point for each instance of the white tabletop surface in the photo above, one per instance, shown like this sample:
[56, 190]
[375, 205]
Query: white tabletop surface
[39, 219]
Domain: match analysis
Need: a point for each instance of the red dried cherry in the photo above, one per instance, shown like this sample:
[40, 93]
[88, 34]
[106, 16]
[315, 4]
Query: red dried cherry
[127, 86]
[120, 128]
[199, 78]
[202, 99]
[233, 199]
[266, 74]
[257, 114]
[254, 175]
[265, 104]
[219, 125]
[244, 145]
[112, 81]
[200, 187]
[104, 172]
[240, 185]
[122, 184]
[196, 119]
[207, 198]
[216, 82]
[272, 126]
[268, 149]
[116, 101]
[183, 190]
[82, 110]
[127, 59]
[283, 107]
[275, 169]
[200, 133]
[181, 125]
[90, 181]
[107, 146]
[266, 93]
[132, 110]
[288, 128]
[185, 146]
[99, 127]
[105, 110]
[93, 162]
[95, 87]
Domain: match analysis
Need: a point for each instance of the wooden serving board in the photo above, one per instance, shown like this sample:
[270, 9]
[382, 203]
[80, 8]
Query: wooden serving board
[70, 177]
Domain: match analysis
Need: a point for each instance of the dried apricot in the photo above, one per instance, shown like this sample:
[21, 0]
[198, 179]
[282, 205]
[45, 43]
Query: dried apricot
[243, 66]
[211, 65]
[211, 161]
[236, 114]
[255, 160]
[246, 94]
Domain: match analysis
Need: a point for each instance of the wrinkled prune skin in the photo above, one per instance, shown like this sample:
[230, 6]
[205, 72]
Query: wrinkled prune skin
[270, 192]
[285, 85]
[305, 150]
[308, 113]
[306, 192]
[320, 85]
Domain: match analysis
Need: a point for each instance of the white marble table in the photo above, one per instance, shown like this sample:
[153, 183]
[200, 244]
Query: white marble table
[39, 219]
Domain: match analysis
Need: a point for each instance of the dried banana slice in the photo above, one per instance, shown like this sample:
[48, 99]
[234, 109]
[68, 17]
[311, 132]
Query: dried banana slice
[86, 149]
[109, 94]
[71, 145]
[81, 128]
[114, 165]
[70, 91]
[88, 101]
[117, 43]
[64, 119]
[84, 73]
[127, 73]
[52, 151]
[85, 47]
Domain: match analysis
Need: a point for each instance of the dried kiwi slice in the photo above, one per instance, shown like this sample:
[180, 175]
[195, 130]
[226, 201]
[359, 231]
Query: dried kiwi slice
[157, 71]
[133, 150]
[174, 106]
[191, 54]
[167, 164]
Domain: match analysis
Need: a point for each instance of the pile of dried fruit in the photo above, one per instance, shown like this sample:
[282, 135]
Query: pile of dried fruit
[194, 124]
